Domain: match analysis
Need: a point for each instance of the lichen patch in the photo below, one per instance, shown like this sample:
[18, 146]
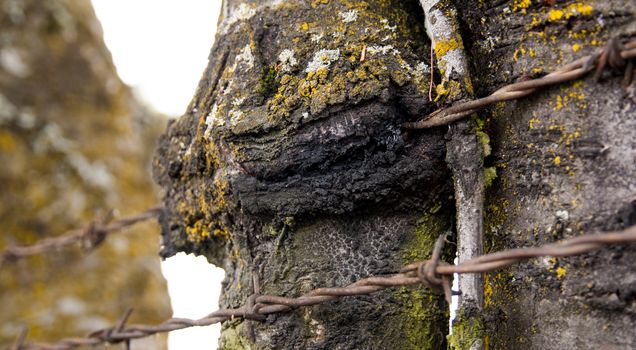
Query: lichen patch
[349, 16]
[212, 120]
[287, 61]
[315, 38]
[242, 13]
[12, 61]
[246, 57]
[422, 67]
[383, 50]
[322, 59]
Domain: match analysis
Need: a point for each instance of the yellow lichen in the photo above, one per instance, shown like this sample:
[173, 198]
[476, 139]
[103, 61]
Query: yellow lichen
[197, 232]
[487, 291]
[521, 5]
[561, 272]
[520, 51]
[557, 160]
[571, 10]
[555, 15]
[581, 8]
[572, 94]
[532, 122]
[315, 3]
[444, 46]
[559, 103]
[450, 88]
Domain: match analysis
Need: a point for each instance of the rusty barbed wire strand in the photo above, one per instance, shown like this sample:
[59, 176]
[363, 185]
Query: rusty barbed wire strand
[614, 54]
[431, 273]
[91, 236]
[19, 340]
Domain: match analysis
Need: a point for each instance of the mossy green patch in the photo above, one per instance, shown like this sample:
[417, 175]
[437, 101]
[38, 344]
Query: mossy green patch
[490, 174]
[232, 338]
[268, 82]
[466, 331]
[425, 311]
[424, 314]
[433, 223]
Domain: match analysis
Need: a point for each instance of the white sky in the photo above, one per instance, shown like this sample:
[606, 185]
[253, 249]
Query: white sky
[194, 287]
[160, 48]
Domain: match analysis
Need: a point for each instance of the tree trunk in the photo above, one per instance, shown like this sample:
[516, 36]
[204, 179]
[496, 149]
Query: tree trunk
[566, 163]
[73, 139]
[290, 167]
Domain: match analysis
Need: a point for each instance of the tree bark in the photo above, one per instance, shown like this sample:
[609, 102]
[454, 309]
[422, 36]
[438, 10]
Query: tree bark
[566, 164]
[290, 165]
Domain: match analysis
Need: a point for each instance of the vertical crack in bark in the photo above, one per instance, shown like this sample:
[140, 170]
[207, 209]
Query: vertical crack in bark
[464, 156]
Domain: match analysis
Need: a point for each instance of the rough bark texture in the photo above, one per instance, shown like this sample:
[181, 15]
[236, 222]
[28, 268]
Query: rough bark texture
[290, 164]
[566, 162]
[72, 140]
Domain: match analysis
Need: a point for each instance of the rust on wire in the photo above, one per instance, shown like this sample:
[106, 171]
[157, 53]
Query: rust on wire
[615, 54]
[433, 273]
[19, 341]
[91, 236]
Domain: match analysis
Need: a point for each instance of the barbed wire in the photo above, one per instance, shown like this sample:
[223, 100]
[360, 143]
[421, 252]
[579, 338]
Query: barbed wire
[614, 54]
[90, 236]
[432, 273]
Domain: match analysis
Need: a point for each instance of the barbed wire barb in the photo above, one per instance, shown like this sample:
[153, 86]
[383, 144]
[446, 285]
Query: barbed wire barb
[90, 237]
[19, 340]
[614, 54]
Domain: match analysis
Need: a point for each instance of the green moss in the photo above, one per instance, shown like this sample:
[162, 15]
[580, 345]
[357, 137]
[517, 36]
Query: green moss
[232, 338]
[432, 224]
[425, 311]
[267, 83]
[423, 318]
[490, 174]
[483, 137]
[425, 314]
[466, 331]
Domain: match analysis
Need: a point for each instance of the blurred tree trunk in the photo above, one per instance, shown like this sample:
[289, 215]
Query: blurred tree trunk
[72, 140]
[290, 165]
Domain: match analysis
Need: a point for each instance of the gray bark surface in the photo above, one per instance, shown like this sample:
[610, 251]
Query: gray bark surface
[566, 164]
